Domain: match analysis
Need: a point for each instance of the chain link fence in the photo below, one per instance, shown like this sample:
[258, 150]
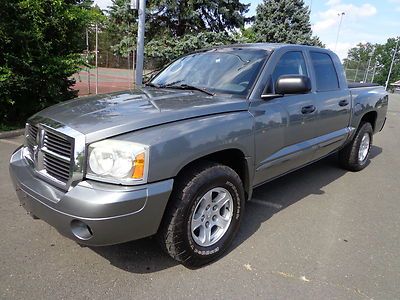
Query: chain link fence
[110, 71]
[361, 73]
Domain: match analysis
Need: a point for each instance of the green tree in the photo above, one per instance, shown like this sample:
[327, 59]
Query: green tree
[360, 53]
[162, 51]
[175, 27]
[381, 57]
[121, 28]
[181, 17]
[284, 21]
[40, 42]
[248, 34]
[357, 61]
[178, 27]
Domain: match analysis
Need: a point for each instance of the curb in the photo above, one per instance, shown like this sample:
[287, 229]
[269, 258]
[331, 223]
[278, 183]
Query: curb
[11, 133]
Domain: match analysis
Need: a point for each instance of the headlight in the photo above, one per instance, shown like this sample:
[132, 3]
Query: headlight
[118, 162]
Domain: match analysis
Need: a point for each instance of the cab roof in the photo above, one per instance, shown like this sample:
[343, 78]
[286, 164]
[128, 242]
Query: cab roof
[263, 46]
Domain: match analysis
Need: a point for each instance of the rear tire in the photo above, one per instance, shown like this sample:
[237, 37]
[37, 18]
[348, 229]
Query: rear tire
[206, 199]
[355, 156]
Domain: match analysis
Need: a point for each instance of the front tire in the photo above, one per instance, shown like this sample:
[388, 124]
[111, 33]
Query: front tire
[203, 215]
[355, 156]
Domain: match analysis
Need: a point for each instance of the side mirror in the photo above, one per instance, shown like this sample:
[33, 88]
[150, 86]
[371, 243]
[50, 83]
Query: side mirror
[293, 84]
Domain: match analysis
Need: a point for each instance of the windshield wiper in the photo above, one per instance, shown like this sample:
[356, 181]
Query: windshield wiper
[185, 86]
[152, 85]
[161, 86]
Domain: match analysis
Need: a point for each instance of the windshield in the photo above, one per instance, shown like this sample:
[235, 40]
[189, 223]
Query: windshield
[225, 70]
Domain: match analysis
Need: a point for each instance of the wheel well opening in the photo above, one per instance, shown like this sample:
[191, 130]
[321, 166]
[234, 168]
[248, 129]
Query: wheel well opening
[370, 117]
[233, 158]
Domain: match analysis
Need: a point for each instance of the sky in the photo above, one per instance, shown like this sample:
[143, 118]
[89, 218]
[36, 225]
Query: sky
[363, 21]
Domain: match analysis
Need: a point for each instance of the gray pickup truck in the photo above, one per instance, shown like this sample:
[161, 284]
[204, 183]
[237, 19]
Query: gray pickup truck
[179, 157]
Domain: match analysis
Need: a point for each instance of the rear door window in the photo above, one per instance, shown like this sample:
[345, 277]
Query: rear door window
[325, 72]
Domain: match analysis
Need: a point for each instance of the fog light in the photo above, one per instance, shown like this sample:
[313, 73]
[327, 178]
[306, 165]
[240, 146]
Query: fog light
[81, 230]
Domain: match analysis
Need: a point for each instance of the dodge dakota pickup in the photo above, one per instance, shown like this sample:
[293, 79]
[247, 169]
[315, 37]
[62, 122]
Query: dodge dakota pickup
[179, 157]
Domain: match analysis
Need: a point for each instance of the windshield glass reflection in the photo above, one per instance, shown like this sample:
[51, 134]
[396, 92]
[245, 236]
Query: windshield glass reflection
[231, 71]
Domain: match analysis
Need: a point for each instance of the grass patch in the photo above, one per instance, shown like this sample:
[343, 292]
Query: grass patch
[4, 127]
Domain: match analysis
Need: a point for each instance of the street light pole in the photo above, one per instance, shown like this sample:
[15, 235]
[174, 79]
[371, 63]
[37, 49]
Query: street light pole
[140, 42]
[391, 65]
[340, 25]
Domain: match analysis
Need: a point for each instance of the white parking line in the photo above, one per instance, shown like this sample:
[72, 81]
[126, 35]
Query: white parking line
[10, 142]
[266, 203]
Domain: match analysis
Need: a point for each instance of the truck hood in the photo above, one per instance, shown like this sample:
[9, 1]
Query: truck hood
[102, 116]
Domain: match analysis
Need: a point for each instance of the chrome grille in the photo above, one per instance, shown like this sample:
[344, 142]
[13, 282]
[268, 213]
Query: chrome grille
[57, 168]
[31, 138]
[55, 154]
[57, 144]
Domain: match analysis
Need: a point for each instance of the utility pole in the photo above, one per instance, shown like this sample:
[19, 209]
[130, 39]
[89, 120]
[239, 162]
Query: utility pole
[140, 42]
[340, 25]
[134, 6]
[391, 65]
[129, 54]
[97, 54]
[87, 59]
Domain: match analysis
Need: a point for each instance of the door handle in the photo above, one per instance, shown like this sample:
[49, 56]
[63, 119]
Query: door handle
[344, 102]
[308, 109]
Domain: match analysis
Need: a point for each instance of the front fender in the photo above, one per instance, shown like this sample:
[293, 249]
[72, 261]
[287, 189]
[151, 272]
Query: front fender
[174, 145]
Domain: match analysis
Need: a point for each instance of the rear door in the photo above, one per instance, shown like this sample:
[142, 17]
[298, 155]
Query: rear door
[333, 102]
[283, 127]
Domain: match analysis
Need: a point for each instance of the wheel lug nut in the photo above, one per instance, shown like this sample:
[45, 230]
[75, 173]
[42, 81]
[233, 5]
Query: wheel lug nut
[207, 224]
[215, 207]
[214, 218]
[208, 207]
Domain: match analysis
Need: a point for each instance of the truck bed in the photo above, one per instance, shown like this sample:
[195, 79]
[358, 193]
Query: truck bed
[355, 85]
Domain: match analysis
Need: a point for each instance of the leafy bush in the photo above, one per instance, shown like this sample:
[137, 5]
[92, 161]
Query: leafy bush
[39, 45]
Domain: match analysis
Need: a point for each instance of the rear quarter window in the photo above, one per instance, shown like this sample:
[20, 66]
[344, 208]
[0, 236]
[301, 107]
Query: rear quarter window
[325, 72]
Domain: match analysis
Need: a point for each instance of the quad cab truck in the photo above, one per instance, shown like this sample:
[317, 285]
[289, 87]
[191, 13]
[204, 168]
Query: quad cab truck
[179, 157]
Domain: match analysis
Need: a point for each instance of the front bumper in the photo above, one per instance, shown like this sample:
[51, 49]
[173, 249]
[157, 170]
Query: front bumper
[92, 213]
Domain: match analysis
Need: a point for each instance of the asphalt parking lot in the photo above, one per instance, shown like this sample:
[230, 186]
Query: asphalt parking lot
[318, 233]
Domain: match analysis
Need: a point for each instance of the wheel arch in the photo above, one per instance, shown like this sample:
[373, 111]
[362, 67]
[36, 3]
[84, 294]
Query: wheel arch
[233, 158]
[369, 117]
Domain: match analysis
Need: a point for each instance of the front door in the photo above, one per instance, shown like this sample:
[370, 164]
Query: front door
[283, 126]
